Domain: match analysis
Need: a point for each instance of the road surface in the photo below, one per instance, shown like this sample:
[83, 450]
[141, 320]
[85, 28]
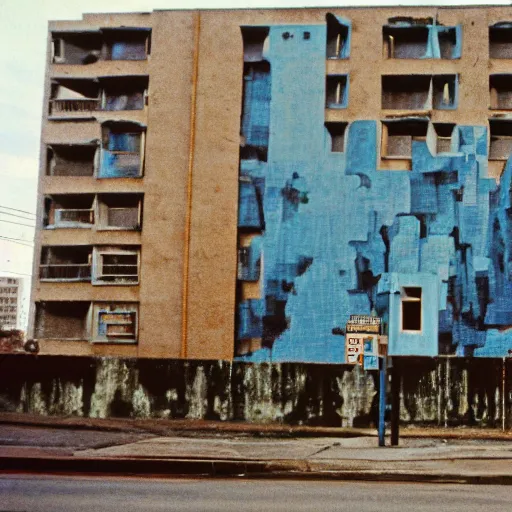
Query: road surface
[29, 493]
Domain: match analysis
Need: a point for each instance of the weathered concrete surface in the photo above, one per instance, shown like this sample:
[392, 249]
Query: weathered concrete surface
[44, 449]
[442, 392]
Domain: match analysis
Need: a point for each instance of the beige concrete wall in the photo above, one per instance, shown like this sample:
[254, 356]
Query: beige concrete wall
[193, 272]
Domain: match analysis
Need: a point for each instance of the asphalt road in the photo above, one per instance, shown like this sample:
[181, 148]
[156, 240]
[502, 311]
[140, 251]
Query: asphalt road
[23, 493]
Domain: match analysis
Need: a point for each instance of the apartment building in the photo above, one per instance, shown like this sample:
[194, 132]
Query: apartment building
[238, 184]
[10, 294]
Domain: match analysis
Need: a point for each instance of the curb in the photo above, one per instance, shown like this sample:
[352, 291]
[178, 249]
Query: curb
[277, 469]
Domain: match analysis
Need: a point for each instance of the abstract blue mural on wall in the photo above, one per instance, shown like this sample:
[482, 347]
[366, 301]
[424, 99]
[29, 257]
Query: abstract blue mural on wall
[335, 236]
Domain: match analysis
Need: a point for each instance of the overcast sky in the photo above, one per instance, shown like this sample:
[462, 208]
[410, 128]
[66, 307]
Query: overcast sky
[23, 25]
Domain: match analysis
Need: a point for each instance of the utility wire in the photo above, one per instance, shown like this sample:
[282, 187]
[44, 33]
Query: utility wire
[18, 273]
[16, 210]
[14, 215]
[18, 223]
[17, 241]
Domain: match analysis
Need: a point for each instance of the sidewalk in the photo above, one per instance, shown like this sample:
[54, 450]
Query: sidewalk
[42, 444]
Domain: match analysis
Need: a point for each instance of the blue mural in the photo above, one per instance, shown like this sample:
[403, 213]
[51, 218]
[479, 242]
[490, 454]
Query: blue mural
[338, 236]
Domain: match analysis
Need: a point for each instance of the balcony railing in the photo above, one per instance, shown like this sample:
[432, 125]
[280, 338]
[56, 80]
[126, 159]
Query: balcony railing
[66, 272]
[74, 106]
[73, 216]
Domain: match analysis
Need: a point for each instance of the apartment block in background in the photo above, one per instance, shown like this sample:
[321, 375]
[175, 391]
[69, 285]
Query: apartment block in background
[238, 184]
[10, 297]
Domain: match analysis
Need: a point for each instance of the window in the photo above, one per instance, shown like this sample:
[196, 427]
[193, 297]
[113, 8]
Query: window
[421, 39]
[397, 137]
[336, 91]
[444, 136]
[120, 211]
[122, 150]
[338, 37]
[407, 92]
[124, 93]
[500, 90]
[254, 43]
[501, 139]
[116, 265]
[405, 42]
[69, 211]
[65, 263]
[500, 41]
[71, 159]
[127, 44]
[411, 308]
[62, 320]
[419, 92]
[115, 323]
[337, 134]
[444, 91]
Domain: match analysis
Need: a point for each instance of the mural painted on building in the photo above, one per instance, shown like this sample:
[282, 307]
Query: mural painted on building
[325, 232]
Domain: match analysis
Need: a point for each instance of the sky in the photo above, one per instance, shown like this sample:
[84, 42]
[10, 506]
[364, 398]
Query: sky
[23, 28]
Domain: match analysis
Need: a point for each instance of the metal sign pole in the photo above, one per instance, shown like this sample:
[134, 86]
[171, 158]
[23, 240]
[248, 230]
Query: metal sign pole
[382, 401]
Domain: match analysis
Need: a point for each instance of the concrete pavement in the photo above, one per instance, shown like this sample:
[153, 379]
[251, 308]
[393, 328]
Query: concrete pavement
[163, 447]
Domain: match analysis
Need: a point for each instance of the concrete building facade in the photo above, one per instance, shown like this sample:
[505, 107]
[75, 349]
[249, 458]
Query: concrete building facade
[10, 296]
[237, 184]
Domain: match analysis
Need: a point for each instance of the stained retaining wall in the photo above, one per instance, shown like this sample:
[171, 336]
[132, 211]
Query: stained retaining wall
[439, 391]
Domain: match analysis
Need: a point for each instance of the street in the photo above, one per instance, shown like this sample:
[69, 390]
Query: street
[29, 493]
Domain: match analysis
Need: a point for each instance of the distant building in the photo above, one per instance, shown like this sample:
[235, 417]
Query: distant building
[10, 297]
[238, 183]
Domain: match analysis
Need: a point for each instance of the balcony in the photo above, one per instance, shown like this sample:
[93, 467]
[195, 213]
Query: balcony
[116, 211]
[83, 98]
[71, 159]
[69, 211]
[65, 263]
[86, 47]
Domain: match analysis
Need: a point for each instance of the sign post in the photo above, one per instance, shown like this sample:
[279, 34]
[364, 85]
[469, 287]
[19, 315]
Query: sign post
[365, 346]
[382, 401]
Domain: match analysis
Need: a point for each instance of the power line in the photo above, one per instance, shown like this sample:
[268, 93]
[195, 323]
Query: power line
[14, 215]
[16, 210]
[17, 241]
[17, 273]
[18, 223]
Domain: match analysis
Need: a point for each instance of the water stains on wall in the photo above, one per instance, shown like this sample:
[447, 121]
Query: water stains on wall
[444, 391]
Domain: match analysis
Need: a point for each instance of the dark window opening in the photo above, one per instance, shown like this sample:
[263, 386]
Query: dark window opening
[77, 48]
[336, 91]
[69, 211]
[120, 211]
[501, 139]
[405, 42]
[66, 263]
[337, 38]
[397, 137]
[444, 91]
[337, 133]
[411, 309]
[500, 90]
[254, 41]
[124, 93]
[500, 41]
[62, 320]
[126, 44]
[447, 43]
[71, 159]
[410, 92]
[444, 136]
